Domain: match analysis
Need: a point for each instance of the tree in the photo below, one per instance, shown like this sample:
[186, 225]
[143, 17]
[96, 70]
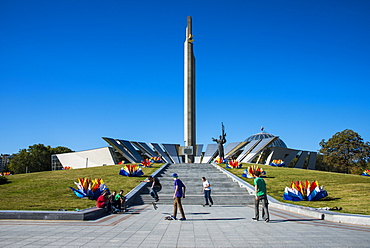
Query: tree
[345, 152]
[20, 162]
[60, 149]
[36, 158]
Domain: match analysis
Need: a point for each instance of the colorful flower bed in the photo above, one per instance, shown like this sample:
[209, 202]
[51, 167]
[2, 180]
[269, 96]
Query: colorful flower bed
[299, 191]
[277, 162]
[366, 173]
[89, 188]
[219, 160]
[146, 163]
[249, 172]
[131, 170]
[156, 160]
[233, 164]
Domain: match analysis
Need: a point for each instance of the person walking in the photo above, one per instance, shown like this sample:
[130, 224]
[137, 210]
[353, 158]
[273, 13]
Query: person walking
[179, 193]
[260, 191]
[207, 192]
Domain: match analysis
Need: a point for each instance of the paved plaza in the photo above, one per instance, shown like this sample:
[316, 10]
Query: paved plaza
[216, 226]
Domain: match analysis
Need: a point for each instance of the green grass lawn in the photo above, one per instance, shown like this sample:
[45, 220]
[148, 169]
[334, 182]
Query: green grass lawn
[50, 190]
[351, 192]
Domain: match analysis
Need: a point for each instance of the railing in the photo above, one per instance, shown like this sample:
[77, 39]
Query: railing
[241, 182]
[130, 196]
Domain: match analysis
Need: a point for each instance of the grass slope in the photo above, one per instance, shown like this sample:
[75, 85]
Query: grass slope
[49, 190]
[351, 192]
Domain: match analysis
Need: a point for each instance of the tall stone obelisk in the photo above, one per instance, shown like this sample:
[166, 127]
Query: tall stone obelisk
[189, 94]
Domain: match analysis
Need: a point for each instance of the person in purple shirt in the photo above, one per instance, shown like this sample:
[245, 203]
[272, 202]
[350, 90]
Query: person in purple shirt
[179, 193]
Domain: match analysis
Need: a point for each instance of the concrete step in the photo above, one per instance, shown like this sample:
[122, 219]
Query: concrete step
[224, 190]
[218, 199]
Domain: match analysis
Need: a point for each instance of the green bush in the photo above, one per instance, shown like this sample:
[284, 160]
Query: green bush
[3, 180]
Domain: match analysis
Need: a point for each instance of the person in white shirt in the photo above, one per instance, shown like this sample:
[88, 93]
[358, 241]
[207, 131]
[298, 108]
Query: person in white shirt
[207, 192]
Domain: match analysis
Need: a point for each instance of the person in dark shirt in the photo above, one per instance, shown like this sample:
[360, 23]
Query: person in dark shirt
[155, 187]
[179, 188]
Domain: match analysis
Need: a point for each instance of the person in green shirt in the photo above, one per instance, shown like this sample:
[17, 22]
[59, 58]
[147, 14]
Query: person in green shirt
[120, 199]
[260, 191]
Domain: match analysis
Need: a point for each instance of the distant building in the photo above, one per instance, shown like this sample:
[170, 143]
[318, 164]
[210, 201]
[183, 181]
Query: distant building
[84, 159]
[264, 148]
[260, 148]
[4, 161]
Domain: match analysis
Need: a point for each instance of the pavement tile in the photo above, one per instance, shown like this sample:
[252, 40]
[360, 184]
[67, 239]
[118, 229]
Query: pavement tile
[222, 226]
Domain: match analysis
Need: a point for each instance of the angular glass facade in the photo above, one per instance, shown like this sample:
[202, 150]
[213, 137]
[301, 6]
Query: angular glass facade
[278, 142]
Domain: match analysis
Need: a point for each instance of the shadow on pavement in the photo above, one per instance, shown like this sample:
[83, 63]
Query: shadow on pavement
[295, 220]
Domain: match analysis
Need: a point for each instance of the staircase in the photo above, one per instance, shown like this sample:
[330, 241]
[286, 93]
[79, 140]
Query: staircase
[224, 190]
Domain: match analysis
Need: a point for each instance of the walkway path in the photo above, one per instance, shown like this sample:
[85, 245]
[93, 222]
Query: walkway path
[216, 226]
[226, 224]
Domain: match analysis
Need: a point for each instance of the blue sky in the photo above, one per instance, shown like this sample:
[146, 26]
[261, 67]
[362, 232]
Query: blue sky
[72, 72]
